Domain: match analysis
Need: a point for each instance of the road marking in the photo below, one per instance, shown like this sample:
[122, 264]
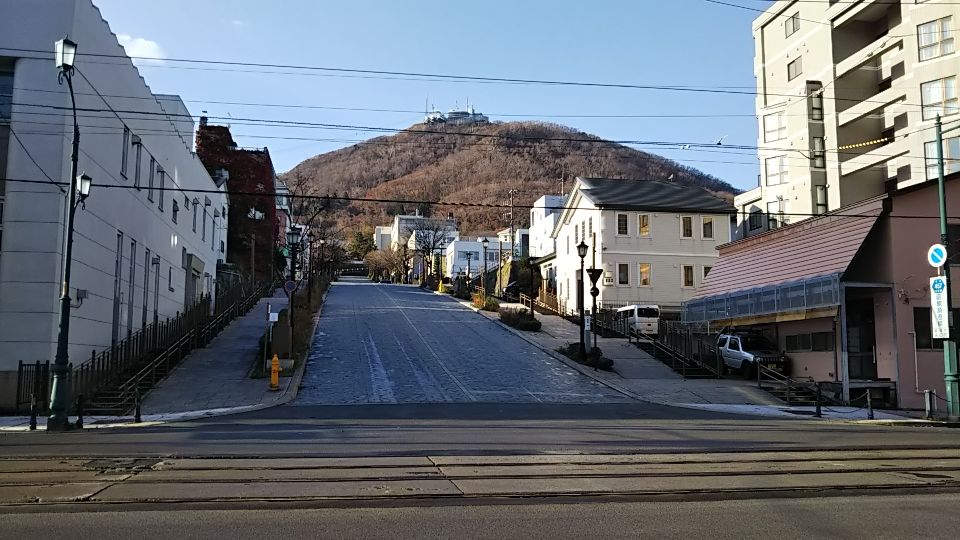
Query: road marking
[379, 380]
[424, 376]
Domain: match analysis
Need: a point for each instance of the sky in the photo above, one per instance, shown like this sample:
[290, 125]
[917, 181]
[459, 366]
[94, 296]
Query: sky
[639, 42]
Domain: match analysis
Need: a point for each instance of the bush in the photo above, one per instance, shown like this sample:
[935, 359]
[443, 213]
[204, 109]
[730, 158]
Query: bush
[520, 318]
[593, 359]
[486, 303]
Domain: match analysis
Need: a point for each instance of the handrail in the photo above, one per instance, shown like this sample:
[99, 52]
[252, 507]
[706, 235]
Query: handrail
[790, 383]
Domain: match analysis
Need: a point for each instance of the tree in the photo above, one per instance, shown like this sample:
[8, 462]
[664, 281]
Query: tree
[428, 237]
[361, 244]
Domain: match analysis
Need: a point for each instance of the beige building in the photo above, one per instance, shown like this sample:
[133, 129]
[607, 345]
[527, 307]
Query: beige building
[655, 241]
[847, 97]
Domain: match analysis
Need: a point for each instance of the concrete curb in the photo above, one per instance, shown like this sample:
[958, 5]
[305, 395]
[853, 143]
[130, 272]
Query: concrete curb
[294, 387]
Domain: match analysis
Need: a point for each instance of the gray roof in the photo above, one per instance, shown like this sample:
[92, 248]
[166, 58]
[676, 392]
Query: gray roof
[654, 195]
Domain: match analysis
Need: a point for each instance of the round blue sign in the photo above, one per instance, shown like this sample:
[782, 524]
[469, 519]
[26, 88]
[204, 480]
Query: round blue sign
[937, 255]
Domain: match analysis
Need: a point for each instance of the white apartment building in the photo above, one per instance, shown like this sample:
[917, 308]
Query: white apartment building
[848, 93]
[139, 252]
[543, 218]
[456, 256]
[655, 241]
[381, 237]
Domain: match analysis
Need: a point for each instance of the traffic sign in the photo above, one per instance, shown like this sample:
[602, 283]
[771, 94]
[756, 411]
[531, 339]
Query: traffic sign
[937, 255]
[290, 286]
[939, 314]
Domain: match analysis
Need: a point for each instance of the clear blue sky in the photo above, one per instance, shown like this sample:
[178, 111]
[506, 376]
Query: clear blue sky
[670, 42]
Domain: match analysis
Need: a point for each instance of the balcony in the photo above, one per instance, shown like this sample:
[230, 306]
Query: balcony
[875, 157]
[871, 104]
[844, 12]
[869, 52]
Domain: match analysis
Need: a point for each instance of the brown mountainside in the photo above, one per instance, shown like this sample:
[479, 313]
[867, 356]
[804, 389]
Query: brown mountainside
[476, 164]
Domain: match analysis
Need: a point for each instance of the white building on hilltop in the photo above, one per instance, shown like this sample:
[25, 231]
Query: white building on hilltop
[138, 256]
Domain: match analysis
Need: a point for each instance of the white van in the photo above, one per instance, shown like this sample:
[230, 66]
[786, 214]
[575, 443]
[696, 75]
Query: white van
[642, 320]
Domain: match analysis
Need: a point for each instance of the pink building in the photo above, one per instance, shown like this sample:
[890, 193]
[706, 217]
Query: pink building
[845, 295]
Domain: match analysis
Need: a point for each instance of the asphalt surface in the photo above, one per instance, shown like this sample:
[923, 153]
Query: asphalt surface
[381, 343]
[915, 516]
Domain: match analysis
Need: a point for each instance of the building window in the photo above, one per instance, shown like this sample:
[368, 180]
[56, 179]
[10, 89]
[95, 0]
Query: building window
[706, 271]
[203, 229]
[222, 246]
[622, 227]
[816, 341]
[792, 24]
[939, 97]
[170, 278]
[818, 158]
[644, 273]
[687, 275]
[820, 204]
[576, 232]
[951, 157]
[138, 154]
[644, 225]
[922, 326]
[776, 170]
[623, 274]
[707, 228]
[816, 105]
[174, 211]
[150, 173]
[686, 226]
[590, 229]
[125, 153]
[163, 180]
[773, 215]
[195, 215]
[935, 39]
[794, 69]
[756, 220]
[775, 126]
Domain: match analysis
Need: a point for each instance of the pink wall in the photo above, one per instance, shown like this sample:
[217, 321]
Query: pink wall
[820, 364]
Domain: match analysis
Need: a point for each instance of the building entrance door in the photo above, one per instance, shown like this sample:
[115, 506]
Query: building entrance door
[861, 340]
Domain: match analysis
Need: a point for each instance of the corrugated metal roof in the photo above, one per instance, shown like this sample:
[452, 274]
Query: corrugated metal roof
[814, 247]
[654, 195]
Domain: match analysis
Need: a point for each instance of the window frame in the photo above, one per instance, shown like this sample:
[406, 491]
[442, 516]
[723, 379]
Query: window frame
[820, 204]
[943, 28]
[816, 106]
[151, 177]
[625, 222]
[703, 227]
[623, 269]
[778, 132]
[755, 214]
[791, 25]
[818, 153]
[945, 106]
[951, 159]
[773, 218]
[683, 221]
[782, 175]
[683, 276]
[641, 282]
[125, 152]
[174, 211]
[163, 181]
[798, 62]
[643, 223]
[704, 271]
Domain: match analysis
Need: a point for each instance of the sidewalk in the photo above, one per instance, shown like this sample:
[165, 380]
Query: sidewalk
[217, 376]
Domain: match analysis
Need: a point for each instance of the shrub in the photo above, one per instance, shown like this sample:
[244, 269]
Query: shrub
[593, 359]
[520, 318]
[486, 303]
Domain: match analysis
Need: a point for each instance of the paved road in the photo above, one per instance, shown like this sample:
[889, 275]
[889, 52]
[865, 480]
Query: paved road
[379, 343]
[893, 516]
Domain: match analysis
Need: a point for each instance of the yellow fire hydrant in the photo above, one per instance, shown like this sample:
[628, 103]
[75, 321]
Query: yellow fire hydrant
[275, 373]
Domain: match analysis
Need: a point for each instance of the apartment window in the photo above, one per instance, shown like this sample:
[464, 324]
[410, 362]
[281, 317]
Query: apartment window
[935, 39]
[622, 227]
[644, 225]
[951, 156]
[939, 97]
[686, 226]
[792, 24]
[203, 229]
[125, 154]
[163, 180]
[707, 227]
[756, 220]
[150, 173]
[590, 229]
[568, 244]
[138, 154]
[706, 271]
[623, 274]
[170, 278]
[6, 88]
[576, 232]
[644, 274]
[174, 211]
[816, 105]
[818, 157]
[776, 168]
[687, 275]
[773, 215]
[223, 246]
[583, 230]
[774, 126]
[195, 216]
[816, 341]
[820, 202]
[794, 69]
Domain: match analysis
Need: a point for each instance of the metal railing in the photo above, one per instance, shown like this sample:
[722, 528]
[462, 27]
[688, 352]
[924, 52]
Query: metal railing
[792, 387]
[33, 383]
[688, 349]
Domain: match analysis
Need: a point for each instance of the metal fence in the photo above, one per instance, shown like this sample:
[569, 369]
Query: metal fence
[810, 293]
[33, 383]
[688, 346]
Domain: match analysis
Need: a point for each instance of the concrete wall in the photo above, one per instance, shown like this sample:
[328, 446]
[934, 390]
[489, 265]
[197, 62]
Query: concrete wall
[34, 213]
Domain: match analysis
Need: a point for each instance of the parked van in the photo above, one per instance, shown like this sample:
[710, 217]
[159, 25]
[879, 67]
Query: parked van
[641, 320]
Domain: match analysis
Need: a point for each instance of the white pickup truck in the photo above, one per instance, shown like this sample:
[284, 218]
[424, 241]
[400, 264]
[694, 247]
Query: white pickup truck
[744, 351]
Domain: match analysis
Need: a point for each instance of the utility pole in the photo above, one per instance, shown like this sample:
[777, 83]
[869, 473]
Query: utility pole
[951, 378]
[253, 273]
[512, 232]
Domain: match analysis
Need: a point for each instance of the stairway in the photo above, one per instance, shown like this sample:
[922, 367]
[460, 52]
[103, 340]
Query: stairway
[797, 395]
[686, 367]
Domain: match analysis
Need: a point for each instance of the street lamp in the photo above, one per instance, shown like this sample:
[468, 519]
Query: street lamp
[485, 242]
[323, 262]
[65, 54]
[582, 253]
[951, 378]
[469, 276]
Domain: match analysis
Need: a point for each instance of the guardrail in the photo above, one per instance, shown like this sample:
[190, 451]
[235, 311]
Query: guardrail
[688, 349]
[793, 387]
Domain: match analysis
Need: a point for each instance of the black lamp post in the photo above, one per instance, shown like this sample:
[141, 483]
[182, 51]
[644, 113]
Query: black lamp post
[582, 252]
[293, 243]
[483, 282]
[66, 52]
[594, 274]
[469, 276]
[530, 265]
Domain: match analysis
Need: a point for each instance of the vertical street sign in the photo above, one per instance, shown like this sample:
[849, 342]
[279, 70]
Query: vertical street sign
[938, 308]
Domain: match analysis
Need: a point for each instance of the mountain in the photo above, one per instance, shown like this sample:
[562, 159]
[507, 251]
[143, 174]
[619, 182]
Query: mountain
[475, 164]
